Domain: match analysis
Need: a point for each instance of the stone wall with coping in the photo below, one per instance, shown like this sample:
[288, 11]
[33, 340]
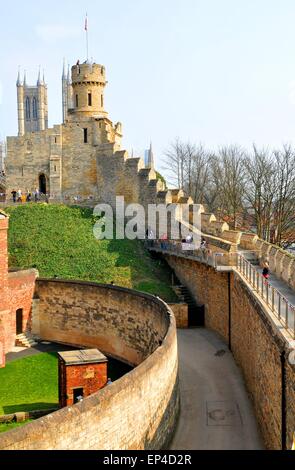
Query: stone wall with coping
[257, 341]
[138, 411]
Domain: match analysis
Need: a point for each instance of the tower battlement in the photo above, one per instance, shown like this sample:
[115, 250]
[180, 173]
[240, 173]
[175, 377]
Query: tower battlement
[88, 74]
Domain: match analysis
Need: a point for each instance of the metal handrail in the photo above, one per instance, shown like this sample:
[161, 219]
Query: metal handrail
[283, 310]
[277, 302]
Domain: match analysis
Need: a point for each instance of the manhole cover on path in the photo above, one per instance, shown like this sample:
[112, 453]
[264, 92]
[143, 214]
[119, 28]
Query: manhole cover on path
[223, 413]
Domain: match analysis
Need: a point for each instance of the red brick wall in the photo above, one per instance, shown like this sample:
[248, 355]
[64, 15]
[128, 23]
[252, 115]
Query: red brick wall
[16, 292]
[91, 377]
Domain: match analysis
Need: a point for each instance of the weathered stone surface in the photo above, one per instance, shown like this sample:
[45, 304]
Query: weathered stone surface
[140, 410]
[256, 342]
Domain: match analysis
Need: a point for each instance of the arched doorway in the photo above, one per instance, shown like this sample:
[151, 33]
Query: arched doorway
[42, 184]
[19, 321]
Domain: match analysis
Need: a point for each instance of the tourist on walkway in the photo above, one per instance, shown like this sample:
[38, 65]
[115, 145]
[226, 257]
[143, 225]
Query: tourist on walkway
[19, 196]
[164, 244]
[14, 193]
[29, 196]
[36, 195]
[265, 271]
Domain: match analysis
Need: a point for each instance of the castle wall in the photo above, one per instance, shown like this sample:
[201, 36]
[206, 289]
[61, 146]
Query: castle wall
[138, 411]
[79, 175]
[256, 338]
[16, 292]
[28, 156]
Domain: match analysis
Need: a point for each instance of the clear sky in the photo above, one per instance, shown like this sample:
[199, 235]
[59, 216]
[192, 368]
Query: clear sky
[215, 71]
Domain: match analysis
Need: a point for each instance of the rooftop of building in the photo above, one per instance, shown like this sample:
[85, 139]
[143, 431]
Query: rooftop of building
[83, 356]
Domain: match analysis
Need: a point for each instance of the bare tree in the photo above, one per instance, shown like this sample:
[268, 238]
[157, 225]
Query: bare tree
[284, 204]
[228, 175]
[174, 163]
[260, 188]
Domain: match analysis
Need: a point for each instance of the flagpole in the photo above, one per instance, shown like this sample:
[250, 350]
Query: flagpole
[87, 42]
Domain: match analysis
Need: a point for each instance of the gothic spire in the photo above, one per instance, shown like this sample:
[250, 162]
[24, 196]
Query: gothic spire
[64, 70]
[151, 157]
[18, 83]
[39, 77]
[69, 75]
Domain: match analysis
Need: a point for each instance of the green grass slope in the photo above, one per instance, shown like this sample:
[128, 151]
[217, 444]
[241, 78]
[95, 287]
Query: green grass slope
[30, 383]
[58, 240]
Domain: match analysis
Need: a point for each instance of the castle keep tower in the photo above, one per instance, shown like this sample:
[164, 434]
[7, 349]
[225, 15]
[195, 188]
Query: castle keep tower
[32, 106]
[88, 83]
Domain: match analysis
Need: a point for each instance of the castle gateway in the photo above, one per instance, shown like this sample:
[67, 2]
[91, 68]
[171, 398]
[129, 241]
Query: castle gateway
[79, 160]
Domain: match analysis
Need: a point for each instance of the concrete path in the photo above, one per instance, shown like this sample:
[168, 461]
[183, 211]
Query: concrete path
[216, 413]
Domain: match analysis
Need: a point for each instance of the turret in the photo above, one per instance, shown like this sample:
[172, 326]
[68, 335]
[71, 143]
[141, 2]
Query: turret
[88, 83]
[41, 104]
[20, 106]
[64, 93]
[69, 89]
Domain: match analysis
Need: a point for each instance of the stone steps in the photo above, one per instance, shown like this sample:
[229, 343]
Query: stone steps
[25, 340]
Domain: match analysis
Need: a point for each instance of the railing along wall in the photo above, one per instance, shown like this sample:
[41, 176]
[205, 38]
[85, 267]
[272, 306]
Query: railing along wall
[282, 309]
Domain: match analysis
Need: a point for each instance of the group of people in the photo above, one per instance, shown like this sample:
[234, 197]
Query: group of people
[29, 196]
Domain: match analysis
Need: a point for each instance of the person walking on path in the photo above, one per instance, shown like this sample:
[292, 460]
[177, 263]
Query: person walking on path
[265, 270]
[14, 193]
[19, 195]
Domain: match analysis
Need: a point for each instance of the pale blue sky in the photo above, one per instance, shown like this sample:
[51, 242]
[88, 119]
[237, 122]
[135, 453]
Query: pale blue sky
[215, 71]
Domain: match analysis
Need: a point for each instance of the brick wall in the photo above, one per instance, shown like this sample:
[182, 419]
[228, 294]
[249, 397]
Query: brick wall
[16, 292]
[138, 411]
[90, 377]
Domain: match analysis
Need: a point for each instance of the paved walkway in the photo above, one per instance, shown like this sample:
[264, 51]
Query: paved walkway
[287, 293]
[216, 413]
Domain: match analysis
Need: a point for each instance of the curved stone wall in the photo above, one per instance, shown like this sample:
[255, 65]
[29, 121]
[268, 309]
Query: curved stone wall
[138, 411]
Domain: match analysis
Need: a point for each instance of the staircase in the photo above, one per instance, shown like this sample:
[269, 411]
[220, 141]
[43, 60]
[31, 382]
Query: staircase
[195, 312]
[25, 340]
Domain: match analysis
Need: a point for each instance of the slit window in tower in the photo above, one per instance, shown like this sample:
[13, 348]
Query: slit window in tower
[35, 111]
[85, 136]
[89, 99]
[101, 100]
[28, 109]
[77, 101]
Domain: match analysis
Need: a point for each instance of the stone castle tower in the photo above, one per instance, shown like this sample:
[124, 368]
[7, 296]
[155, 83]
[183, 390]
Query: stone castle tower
[79, 161]
[31, 105]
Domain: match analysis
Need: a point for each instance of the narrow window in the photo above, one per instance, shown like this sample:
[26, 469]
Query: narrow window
[85, 136]
[55, 139]
[28, 109]
[35, 111]
[77, 101]
[89, 99]
[101, 100]
[55, 168]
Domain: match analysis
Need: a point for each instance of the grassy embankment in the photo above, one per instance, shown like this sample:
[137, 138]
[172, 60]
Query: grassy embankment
[58, 240]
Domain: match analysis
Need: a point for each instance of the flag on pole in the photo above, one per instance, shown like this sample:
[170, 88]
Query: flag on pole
[86, 23]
